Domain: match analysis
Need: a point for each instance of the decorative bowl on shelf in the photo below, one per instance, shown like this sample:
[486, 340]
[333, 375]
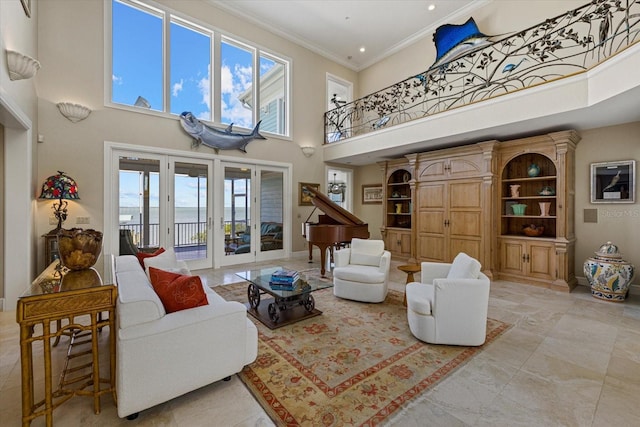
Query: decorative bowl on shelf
[547, 191]
[79, 249]
[533, 230]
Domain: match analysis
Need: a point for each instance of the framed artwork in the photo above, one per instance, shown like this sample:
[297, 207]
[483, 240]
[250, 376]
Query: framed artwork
[304, 197]
[26, 5]
[613, 182]
[371, 193]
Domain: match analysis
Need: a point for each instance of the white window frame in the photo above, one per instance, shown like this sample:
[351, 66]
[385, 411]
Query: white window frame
[168, 15]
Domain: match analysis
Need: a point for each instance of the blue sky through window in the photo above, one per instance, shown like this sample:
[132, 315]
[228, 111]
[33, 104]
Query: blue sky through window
[190, 72]
[137, 56]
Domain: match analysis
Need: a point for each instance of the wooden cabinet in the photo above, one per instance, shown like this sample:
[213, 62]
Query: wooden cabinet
[51, 247]
[450, 220]
[533, 258]
[398, 242]
[453, 197]
[548, 191]
[398, 207]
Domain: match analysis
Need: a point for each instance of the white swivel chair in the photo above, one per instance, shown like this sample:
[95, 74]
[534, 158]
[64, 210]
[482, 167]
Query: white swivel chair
[361, 272]
[449, 304]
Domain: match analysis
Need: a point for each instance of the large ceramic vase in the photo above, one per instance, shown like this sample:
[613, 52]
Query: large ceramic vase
[608, 274]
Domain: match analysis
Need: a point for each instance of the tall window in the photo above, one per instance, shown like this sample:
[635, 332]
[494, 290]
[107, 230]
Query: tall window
[136, 76]
[273, 91]
[190, 70]
[236, 85]
[148, 42]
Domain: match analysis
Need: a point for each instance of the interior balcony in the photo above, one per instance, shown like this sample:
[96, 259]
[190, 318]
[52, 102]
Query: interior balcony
[576, 71]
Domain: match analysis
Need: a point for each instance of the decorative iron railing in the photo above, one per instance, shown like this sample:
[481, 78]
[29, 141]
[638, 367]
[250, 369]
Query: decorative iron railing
[559, 47]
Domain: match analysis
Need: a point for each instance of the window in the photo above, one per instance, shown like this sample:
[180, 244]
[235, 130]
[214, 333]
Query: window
[272, 94]
[190, 70]
[236, 85]
[136, 77]
[148, 42]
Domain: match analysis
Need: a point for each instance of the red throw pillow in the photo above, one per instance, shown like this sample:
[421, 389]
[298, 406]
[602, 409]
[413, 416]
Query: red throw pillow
[142, 255]
[176, 291]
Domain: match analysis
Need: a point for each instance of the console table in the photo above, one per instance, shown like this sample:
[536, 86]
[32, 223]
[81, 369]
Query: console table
[54, 296]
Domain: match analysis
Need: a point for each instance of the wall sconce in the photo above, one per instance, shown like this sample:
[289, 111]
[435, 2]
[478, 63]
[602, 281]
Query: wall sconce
[21, 66]
[308, 150]
[73, 112]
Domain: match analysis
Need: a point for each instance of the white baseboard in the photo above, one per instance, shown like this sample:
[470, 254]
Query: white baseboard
[633, 289]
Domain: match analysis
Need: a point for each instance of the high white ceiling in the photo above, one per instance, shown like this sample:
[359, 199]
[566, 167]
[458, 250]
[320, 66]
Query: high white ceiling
[337, 29]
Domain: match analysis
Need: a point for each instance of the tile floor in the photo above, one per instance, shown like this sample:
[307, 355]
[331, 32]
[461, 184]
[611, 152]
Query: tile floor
[568, 360]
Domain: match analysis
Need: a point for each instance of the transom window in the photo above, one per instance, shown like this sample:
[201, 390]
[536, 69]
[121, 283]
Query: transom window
[165, 63]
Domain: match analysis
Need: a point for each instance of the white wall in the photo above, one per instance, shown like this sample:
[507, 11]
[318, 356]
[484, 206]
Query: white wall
[617, 222]
[18, 115]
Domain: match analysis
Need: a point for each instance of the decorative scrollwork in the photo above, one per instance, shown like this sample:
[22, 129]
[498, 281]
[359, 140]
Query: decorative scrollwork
[558, 47]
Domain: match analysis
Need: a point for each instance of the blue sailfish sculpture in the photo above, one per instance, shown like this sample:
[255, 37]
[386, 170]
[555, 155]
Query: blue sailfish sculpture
[453, 41]
[217, 139]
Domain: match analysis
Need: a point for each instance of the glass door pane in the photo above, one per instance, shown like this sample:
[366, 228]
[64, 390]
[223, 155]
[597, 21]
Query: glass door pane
[238, 231]
[271, 210]
[139, 216]
[191, 210]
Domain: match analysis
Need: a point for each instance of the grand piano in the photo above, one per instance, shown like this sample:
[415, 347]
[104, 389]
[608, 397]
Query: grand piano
[337, 226]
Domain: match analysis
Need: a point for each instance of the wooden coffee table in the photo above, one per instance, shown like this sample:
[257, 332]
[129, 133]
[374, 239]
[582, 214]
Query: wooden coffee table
[409, 269]
[283, 307]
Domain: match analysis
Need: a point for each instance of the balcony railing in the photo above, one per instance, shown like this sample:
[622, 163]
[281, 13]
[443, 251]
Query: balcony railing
[186, 233]
[569, 44]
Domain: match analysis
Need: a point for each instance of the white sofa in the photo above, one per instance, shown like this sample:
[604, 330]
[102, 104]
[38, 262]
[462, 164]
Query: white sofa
[449, 305]
[361, 272]
[163, 355]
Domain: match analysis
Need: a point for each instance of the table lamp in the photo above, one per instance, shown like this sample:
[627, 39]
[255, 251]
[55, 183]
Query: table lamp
[61, 187]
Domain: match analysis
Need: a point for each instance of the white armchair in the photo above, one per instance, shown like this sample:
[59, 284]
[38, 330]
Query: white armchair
[361, 272]
[449, 305]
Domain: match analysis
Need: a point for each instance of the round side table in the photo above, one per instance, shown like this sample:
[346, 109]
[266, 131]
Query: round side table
[409, 269]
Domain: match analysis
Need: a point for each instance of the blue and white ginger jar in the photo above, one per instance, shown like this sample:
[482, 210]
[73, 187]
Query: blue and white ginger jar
[608, 274]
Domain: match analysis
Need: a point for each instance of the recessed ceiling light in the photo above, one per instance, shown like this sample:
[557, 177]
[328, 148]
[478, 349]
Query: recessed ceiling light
[362, 49]
[431, 7]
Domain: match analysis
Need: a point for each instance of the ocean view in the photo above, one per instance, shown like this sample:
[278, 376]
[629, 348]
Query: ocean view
[131, 215]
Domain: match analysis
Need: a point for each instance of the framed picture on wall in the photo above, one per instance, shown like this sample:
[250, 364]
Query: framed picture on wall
[304, 197]
[613, 182]
[371, 193]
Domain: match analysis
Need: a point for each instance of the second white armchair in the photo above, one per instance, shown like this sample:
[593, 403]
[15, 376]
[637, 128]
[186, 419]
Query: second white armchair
[449, 305]
[361, 272]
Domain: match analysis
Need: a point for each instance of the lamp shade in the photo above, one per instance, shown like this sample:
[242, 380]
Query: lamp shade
[59, 187]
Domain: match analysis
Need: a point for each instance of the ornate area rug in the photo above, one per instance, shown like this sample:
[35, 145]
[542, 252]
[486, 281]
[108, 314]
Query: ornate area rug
[354, 365]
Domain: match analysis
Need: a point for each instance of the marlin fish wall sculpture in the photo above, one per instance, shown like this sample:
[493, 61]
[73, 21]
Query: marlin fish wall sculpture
[217, 139]
[453, 41]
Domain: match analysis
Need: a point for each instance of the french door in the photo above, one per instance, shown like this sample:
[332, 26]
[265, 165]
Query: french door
[164, 201]
[189, 206]
[254, 218]
[212, 211]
